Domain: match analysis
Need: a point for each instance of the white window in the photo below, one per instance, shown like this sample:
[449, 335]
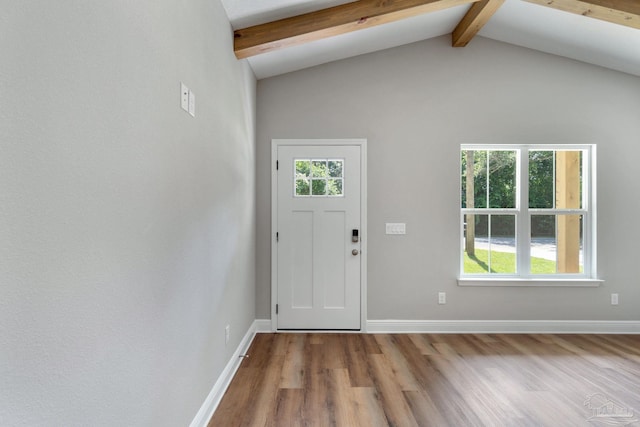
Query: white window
[318, 177]
[527, 212]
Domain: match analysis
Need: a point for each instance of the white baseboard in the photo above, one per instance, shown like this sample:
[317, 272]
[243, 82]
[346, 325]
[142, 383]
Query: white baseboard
[504, 326]
[215, 395]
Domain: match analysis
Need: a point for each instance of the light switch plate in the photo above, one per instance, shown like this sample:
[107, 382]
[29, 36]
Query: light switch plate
[396, 228]
[184, 97]
[192, 104]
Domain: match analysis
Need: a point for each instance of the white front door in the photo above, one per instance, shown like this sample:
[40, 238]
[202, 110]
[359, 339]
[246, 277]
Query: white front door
[318, 232]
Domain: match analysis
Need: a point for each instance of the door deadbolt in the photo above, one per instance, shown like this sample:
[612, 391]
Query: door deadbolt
[354, 252]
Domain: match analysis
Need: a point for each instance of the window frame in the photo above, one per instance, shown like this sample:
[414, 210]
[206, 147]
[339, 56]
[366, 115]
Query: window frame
[523, 214]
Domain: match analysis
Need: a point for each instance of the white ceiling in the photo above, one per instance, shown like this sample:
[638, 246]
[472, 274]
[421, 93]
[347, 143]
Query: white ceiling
[516, 22]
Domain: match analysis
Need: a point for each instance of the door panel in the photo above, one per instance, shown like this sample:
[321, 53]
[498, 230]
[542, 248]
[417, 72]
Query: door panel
[318, 206]
[302, 259]
[333, 252]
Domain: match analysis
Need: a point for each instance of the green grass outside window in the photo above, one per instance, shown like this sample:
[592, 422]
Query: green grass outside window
[503, 262]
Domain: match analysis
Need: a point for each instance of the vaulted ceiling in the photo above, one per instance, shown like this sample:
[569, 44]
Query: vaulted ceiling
[279, 36]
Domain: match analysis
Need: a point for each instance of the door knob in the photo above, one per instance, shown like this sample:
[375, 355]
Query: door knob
[354, 252]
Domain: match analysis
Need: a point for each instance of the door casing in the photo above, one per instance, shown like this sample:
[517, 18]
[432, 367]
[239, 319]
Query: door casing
[362, 143]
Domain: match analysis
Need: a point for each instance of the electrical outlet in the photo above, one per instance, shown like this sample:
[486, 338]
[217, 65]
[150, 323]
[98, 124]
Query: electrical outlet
[227, 333]
[442, 297]
[614, 299]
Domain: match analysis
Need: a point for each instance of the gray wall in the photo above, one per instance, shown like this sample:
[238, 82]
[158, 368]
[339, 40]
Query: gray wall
[127, 227]
[416, 104]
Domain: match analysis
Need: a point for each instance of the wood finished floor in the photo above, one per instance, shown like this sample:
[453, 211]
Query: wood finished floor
[434, 380]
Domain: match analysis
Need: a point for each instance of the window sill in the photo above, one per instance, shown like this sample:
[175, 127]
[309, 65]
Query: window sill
[496, 281]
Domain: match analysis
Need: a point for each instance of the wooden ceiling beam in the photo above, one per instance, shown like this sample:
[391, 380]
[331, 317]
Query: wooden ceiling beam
[331, 22]
[477, 16]
[623, 12]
